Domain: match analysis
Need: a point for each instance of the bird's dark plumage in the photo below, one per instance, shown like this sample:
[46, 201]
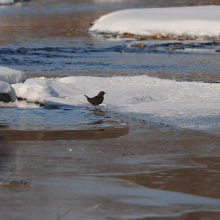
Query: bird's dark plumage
[97, 99]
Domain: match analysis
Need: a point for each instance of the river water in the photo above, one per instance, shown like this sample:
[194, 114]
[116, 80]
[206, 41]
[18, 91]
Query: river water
[108, 166]
[50, 38]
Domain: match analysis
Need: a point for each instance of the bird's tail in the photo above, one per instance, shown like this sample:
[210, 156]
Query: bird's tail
[86, 96]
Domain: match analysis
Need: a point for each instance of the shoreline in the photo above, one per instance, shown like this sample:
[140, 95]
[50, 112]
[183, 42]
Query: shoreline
[158, 37]
[50, 135]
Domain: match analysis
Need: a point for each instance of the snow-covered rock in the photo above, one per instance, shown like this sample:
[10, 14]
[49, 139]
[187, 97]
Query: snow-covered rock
[9, 76]
[7, 93]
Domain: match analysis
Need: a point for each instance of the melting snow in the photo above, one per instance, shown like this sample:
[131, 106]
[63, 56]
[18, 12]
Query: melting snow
[181, 104]
[11, 76]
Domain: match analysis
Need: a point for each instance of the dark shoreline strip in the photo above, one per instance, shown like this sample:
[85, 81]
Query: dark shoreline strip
[93, 134]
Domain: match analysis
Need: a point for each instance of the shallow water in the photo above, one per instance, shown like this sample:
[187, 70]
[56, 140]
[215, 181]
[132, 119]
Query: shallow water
[151, 172]
[67, 118]
[95, 167]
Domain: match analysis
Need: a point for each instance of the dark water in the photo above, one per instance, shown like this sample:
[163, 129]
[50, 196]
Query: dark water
[188, 61]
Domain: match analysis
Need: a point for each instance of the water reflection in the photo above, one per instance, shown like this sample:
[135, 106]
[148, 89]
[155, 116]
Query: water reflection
[7, 159]
[201, 178]
[34, 123]
[48, 119]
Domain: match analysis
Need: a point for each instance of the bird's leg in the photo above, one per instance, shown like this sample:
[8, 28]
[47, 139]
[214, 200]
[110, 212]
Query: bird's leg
[98, 109]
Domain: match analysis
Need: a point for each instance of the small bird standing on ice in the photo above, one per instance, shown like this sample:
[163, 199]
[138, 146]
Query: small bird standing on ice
[97, 100]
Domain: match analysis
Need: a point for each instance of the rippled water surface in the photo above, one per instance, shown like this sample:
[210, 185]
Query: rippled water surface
[51, 38]
[187, 61]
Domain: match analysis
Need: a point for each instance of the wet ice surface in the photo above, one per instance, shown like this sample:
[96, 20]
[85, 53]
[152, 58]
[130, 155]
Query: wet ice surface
[101, 180]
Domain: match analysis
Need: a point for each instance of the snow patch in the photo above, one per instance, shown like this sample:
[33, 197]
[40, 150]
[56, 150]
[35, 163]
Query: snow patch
[181, 104]
[200, 21]
[11, 76]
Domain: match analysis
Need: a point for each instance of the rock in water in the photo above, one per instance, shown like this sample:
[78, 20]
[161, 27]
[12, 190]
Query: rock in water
[7, 93]
[140, 44]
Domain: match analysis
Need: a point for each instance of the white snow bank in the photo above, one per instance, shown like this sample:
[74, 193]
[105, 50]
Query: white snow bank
[6, 2]
[11, 76]
[7, 93]
[197, 21]
[181, 104]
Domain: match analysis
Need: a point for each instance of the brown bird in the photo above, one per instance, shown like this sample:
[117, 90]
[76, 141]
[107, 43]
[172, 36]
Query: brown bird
[97, 99]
